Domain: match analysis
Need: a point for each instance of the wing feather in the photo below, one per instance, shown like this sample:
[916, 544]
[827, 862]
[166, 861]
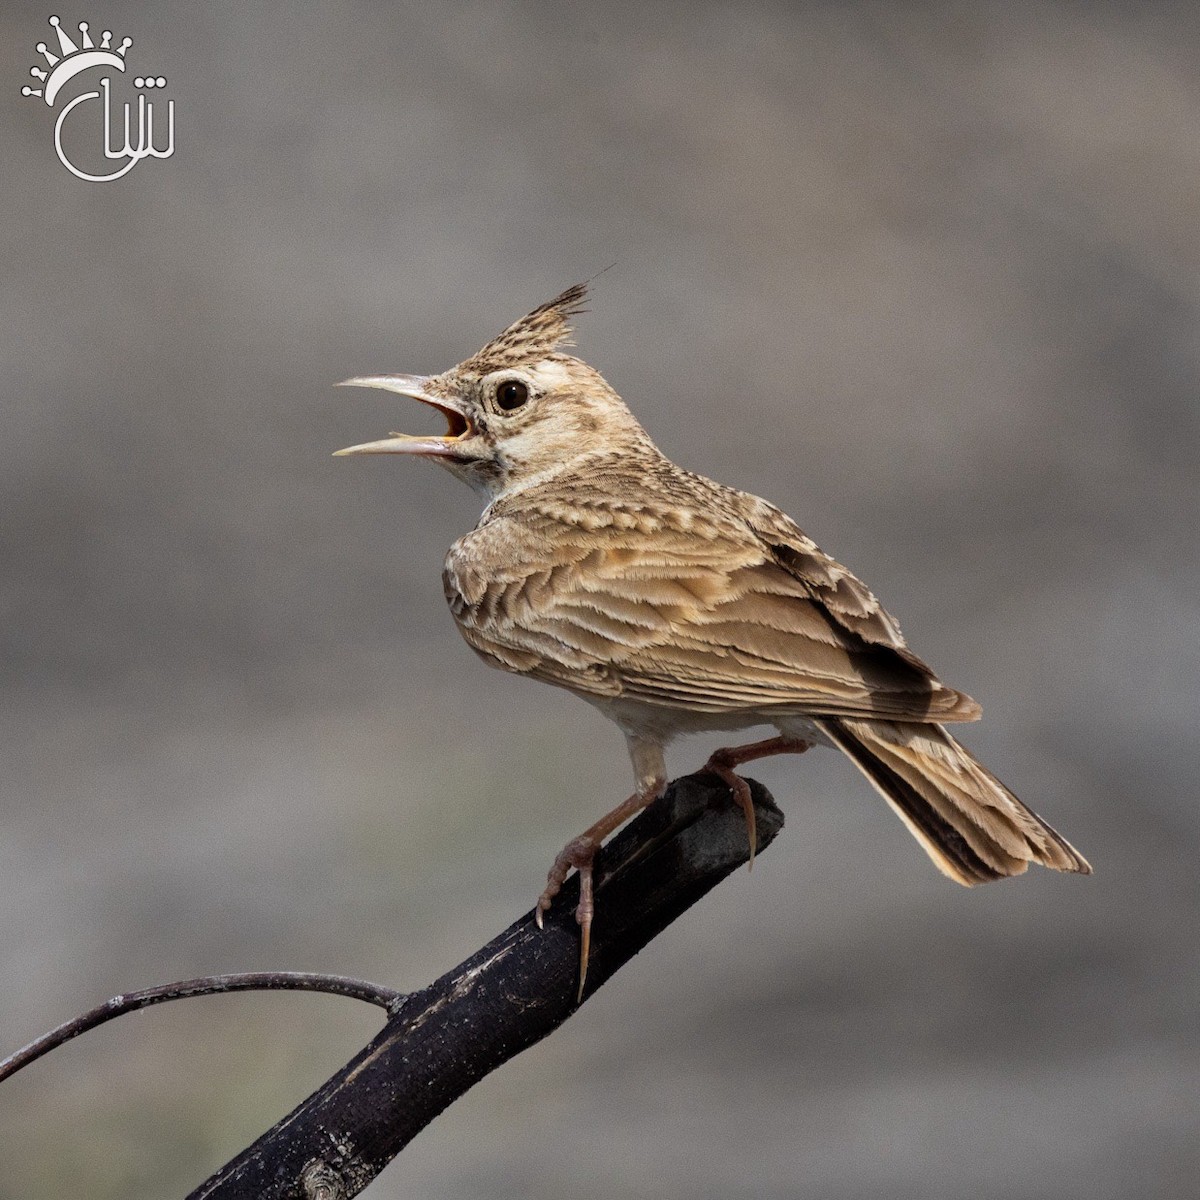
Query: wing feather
[723, 621]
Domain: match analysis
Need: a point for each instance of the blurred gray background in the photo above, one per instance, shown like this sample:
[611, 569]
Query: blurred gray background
[927, 276]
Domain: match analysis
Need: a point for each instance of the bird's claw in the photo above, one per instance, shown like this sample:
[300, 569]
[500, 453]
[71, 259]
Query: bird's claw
[579, 854]
[741, 797]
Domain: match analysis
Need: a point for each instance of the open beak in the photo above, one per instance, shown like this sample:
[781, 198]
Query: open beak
[458, 424]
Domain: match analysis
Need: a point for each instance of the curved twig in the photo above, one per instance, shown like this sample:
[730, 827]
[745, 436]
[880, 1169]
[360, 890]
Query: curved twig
[209, 985]
[441, 1040]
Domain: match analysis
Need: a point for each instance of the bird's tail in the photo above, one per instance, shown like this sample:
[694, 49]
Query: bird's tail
[969, 823]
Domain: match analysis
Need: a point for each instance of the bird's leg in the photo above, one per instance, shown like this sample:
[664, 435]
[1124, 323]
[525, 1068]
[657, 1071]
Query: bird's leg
[580, 852]
[722, 763]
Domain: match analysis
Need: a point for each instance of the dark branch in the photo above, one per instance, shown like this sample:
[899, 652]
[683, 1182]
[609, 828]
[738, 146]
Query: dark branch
[512, 993]
[300, 981]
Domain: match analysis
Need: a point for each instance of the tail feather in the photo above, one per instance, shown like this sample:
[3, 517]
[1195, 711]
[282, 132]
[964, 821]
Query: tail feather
[968, 822]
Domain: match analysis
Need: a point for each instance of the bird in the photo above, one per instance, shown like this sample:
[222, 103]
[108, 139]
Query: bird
[677, 605]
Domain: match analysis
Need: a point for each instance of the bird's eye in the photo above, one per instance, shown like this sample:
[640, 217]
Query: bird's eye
[510, 394]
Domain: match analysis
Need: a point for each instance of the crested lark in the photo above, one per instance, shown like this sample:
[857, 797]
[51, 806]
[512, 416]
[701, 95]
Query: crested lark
[677, 605]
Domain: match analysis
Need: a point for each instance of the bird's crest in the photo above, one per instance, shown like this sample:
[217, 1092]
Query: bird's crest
[533, 337]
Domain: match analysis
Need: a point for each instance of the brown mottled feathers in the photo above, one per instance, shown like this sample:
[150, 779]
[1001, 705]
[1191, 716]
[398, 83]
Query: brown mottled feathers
[534, 337]
[972, 827]
[650, 583]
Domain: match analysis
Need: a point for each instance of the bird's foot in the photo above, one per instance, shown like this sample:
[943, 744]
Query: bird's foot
[723, 770]
[579, 853]
[721, 763]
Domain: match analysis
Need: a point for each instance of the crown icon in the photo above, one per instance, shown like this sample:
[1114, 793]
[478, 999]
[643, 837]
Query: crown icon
[74, 58]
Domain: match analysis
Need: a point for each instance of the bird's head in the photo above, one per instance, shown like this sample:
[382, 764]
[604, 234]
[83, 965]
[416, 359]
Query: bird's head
[517, 411]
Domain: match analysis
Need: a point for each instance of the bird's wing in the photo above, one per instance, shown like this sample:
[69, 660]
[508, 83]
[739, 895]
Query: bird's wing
[846, 600]
[683, 608]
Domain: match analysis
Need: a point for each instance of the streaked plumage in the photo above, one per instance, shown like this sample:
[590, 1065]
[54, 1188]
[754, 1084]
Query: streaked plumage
[675, 604]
